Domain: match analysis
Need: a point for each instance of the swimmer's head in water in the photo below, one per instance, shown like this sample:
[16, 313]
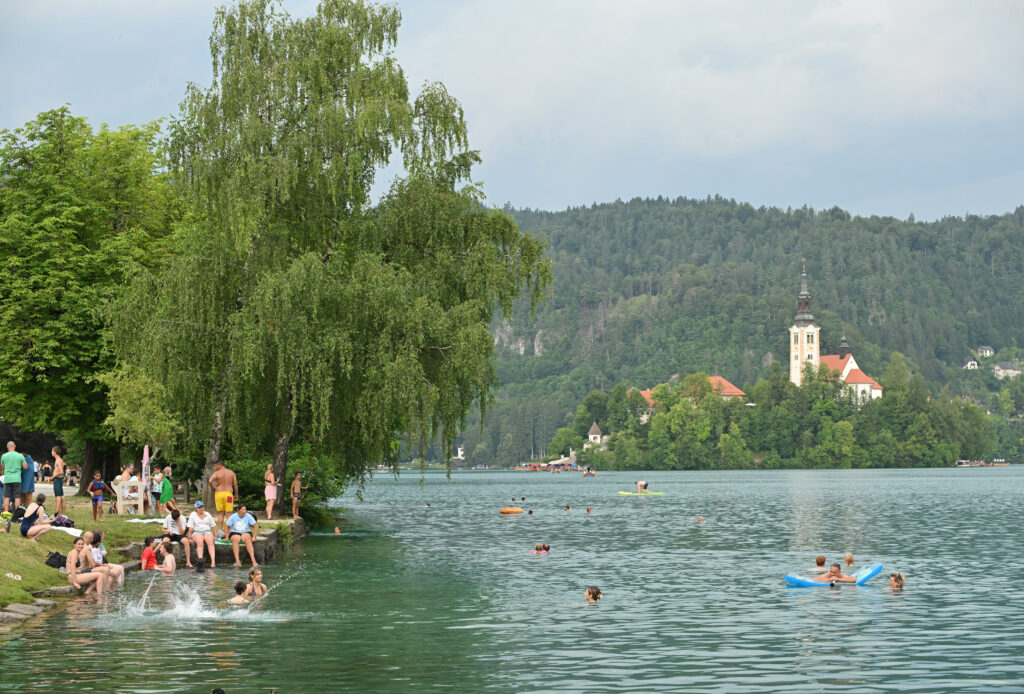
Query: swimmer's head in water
[593, 594]
[255, 572]
[530, 512]
[239, 588]
[546, 547]
[566, 508]
[820, 560]
[896, 581]
[848, 558]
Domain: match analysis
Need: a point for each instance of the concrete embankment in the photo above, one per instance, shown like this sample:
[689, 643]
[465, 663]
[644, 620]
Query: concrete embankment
[267, 546]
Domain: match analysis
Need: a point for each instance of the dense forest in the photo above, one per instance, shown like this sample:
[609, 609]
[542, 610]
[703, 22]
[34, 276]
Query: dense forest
[654, 288]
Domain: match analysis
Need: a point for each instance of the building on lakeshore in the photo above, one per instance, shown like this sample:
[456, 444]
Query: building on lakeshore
[595, 439]
[1003, 370]
[725, 390]
[805, 348]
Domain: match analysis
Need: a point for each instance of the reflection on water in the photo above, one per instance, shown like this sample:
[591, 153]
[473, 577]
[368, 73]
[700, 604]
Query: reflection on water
[448, 597]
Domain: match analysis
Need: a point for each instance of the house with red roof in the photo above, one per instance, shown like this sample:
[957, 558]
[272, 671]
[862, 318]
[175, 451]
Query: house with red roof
[804, 346]
[725, 390]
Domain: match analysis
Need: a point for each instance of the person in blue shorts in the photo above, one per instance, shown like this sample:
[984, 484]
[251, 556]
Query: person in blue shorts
[242, 527]
[59, 472]
[96, 489]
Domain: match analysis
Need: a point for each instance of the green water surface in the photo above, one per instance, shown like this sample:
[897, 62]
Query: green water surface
[448, 598]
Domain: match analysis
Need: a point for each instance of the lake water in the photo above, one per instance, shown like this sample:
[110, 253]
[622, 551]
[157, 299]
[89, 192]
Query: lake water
[448, 598]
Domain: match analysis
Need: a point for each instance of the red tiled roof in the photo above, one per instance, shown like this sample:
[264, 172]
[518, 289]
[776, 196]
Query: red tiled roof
[722, 387]
[647, 396]
[834, 362]
[858, 376]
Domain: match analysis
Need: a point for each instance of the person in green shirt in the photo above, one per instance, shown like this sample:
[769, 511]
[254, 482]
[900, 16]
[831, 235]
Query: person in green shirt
[13, 463]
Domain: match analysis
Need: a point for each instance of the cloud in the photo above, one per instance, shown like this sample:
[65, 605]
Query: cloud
[720, 80]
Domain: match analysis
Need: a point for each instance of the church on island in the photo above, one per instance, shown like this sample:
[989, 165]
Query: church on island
[805, 345]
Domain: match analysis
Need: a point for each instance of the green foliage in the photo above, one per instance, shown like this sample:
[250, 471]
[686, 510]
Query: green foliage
[646, 289]
[79, 209]
[817, 426]
[293, 310]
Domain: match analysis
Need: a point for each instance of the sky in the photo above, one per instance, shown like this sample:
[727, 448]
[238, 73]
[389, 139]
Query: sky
[887, 108]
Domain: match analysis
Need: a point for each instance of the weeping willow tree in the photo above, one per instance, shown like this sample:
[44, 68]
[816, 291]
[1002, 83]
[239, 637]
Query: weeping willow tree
[294, 307]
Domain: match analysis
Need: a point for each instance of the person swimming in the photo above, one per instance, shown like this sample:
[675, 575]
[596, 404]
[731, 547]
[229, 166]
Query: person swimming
[337, 530]
[547, 548]
[819, 563]
[239, 597]
[537, 549]
[593, 594]
[848, 559]
[896, 581]
[835, 575]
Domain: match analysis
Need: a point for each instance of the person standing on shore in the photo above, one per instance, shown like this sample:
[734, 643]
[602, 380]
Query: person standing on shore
[59, 471]
[270, 489]
[13, 463]
[28, 480]
[225, 490]
[296, 490]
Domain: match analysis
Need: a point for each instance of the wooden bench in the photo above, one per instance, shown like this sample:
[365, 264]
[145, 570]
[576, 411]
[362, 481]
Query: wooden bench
[122, 490]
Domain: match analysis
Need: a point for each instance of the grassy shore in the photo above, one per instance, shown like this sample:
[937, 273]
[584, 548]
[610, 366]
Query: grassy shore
[25, 558]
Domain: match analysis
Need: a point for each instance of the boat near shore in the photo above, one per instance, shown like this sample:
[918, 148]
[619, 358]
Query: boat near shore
[997, 462]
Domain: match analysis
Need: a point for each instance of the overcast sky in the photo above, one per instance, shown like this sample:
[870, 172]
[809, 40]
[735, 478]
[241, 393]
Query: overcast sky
[878, 107]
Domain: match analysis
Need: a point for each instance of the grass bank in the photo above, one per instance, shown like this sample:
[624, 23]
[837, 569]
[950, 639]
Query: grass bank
[24, 558]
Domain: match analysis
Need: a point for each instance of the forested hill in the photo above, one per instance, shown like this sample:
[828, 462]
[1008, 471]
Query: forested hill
[650, 288]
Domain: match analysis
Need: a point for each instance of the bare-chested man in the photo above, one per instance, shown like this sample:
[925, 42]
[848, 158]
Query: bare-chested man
[835, 574]
[225, 491]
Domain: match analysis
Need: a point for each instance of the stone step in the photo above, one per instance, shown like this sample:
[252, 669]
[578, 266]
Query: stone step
[23, 609]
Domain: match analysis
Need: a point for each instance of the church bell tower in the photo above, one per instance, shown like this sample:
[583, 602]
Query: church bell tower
[804, 345]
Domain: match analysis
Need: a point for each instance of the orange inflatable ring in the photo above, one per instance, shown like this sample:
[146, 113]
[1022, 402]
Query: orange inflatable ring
[510, 510]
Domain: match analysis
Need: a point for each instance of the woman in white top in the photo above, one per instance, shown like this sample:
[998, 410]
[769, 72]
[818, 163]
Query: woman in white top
[201, 526]
[99, 557]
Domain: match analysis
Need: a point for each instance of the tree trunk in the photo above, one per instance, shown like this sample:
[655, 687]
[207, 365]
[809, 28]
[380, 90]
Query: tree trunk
[213, 451]
[98, 457]
[285, 431]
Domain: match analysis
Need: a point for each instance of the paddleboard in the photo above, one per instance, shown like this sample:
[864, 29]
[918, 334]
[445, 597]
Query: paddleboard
[862, 576]
[640, 493]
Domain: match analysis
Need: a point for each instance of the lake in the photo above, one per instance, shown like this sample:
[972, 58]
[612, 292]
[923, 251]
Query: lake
[448, 598]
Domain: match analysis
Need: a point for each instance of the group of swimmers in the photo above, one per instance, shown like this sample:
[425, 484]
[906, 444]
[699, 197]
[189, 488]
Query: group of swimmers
[835, 574]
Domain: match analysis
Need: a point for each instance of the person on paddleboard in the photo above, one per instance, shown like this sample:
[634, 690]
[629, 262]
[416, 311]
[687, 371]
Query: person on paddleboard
[641, 487]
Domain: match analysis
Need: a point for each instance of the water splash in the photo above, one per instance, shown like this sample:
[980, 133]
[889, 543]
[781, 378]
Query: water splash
[186, 604]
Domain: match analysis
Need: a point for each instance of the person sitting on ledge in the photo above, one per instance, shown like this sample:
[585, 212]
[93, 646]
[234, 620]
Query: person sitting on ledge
[243, 527]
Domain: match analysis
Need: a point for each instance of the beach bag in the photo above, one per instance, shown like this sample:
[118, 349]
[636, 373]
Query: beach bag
[56, 560]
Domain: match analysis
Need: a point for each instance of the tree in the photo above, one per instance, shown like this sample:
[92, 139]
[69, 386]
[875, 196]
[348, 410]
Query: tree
[78, 210]
[308, 311]
[565, 439]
